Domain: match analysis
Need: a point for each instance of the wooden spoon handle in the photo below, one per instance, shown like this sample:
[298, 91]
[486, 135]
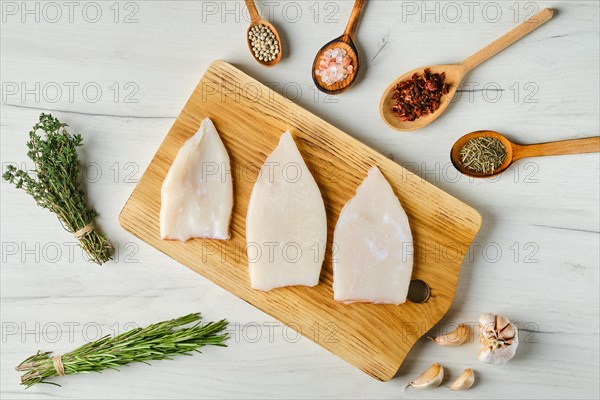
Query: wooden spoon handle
[573, 146]
[359, 5]
[254, 15]
[509, 38]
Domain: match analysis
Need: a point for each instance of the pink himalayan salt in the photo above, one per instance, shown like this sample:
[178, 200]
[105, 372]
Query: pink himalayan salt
[334, 66]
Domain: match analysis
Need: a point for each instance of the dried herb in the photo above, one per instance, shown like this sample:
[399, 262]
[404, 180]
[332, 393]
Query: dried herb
[54, 184]
[483, 154]
[418, 96]
[155, 342]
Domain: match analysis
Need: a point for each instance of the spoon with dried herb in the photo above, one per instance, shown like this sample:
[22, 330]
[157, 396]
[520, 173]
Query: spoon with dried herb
[54, 184]
[484, 154]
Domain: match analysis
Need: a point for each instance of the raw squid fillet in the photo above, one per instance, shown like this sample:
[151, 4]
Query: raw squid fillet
[373, 246]
[286, 227]
[197, 193]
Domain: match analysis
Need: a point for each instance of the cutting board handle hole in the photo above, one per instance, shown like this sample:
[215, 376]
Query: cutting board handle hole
[418, 291]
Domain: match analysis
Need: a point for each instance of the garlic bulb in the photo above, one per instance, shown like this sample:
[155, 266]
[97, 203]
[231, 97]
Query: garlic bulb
[432, 377]
[454, 338]
[464, 381]
[498, 339]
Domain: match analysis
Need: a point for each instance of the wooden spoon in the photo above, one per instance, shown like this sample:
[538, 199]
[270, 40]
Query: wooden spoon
[515, 152]
[346, 42]
[255, 19]
[455, 73]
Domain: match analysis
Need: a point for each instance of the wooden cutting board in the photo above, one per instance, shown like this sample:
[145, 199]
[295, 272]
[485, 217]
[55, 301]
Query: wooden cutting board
[250, 119]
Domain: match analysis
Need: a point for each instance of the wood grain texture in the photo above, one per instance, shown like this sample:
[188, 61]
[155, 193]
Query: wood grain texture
[508, 38]
[561, 147]
[250, 119]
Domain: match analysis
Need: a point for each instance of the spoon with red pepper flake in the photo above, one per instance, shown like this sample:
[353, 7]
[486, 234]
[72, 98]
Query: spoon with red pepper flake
[490, 145]
[413, 100]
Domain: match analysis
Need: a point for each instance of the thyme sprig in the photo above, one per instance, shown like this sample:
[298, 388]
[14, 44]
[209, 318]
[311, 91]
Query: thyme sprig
[54, 184]
[155, 342]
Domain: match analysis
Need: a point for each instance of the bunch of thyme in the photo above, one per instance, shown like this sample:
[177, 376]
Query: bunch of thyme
[155, 342]
[54, 184]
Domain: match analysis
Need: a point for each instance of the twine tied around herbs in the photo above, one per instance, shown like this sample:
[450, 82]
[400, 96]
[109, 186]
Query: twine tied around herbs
[83, 231]
[58, 365]
[55, 184]
[166, 339]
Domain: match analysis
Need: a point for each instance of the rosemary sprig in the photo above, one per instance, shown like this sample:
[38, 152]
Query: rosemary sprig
[154, 342]
[54, 184]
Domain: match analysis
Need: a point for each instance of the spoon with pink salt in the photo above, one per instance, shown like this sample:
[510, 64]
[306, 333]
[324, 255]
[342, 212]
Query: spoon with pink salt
[337, 63]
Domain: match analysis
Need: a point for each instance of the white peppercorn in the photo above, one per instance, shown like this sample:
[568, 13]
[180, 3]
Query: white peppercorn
[263, 43]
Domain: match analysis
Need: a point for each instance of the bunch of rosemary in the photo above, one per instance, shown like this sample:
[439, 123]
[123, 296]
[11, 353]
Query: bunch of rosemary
[155, 342]
[54, 184]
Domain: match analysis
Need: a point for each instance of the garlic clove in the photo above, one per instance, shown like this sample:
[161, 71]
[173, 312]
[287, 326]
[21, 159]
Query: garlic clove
[501, 322]
[508, 332]
[499, 356]
[485, 355]
[464, 381]
[487, 319]
[454, 338]
[432, 377]
[487, 322]
[499, 339]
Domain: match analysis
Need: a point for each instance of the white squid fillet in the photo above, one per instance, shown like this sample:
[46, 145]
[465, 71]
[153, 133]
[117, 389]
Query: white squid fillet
[286, 227]
[197, 194]
[373, 253]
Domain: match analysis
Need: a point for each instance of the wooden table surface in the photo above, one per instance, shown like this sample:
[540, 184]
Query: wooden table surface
[119, 73]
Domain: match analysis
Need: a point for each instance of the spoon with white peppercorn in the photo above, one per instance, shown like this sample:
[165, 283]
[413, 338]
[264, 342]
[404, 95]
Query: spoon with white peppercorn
[263, 40]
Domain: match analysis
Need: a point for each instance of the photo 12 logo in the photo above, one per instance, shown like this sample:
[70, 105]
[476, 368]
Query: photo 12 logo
[289, 11]
[524, 172]
[467, 11]
[494, 92]
[53, 12]
[72, 92]
[270, 171]
[62, 253]
[120, 172]
[55, 332]
[291, 332]
[253, 92]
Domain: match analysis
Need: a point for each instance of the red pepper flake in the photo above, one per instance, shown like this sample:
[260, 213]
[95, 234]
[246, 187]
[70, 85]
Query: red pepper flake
[418, 96]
